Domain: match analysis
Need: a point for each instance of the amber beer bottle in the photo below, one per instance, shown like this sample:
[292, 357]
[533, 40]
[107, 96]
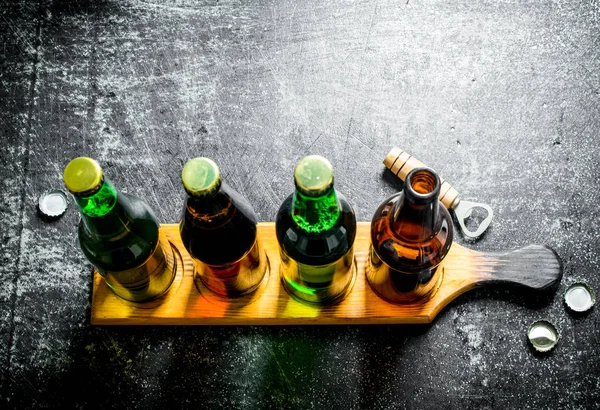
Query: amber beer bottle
[315, 228]
[411, 232]
[119, 234]
[218, 229]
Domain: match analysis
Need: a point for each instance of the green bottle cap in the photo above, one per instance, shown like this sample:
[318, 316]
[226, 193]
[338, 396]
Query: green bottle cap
[313, 175]
[83, 176]
[201, 177]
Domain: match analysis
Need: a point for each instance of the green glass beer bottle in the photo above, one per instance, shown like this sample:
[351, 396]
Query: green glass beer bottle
[315, 228]
[218, 229]
[119, 234]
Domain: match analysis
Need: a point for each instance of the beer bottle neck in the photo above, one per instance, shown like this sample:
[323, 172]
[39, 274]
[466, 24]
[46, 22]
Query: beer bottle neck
[415, 217]
[315, 214]
[102, 213]
[100, 203]
[211, 211]
[415, 223]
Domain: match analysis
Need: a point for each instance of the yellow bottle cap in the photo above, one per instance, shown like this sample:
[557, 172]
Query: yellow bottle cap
[313, 175]
[201, 177]
[83, 176]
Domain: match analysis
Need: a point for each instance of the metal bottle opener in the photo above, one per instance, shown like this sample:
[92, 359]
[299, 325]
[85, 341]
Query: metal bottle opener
[401, 163]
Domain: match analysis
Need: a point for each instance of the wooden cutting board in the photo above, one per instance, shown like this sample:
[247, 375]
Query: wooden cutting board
[188, 302]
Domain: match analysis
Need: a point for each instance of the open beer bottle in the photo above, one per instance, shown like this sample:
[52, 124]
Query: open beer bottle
[218, 229]
[315, 229]
[119, 234]
[411, 233]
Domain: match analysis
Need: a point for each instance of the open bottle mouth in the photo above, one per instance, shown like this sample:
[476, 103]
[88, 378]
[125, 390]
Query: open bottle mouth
[422, 185]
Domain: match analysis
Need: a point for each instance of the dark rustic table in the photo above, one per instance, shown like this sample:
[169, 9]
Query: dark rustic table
[501, 97]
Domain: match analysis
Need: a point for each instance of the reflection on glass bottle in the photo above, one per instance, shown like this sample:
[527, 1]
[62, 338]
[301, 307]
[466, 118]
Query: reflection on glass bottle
[119, 234]
[315, 229]
[411, 232]
[218, 229]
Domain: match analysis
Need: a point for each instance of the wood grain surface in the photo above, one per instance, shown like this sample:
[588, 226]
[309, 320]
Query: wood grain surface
[189, 302]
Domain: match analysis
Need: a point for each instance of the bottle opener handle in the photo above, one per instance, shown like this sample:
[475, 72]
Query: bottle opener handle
[401, 163]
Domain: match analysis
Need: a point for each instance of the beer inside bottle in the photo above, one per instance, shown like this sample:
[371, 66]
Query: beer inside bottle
[411, 233]
[218, 229]
[119, 234]
[316, 228]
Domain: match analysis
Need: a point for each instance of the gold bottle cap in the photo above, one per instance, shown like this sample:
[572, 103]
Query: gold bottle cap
[542, 335]
[313, 175]
[201, 177]
[83, 176]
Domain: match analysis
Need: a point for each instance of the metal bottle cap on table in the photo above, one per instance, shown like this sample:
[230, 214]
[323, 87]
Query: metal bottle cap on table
[52, 204]
[579, 297]
[542, 335]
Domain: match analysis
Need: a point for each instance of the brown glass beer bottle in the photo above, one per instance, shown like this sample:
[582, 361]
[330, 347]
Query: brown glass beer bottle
[218, 229]
[411, 233]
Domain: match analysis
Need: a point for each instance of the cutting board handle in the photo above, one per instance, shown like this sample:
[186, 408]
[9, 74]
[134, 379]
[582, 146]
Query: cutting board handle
[536, 267]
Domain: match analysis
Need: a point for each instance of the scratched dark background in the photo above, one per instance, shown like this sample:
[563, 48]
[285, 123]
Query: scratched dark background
[501, 97]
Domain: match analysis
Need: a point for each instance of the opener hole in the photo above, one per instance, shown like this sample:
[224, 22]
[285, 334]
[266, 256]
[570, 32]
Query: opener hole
[475, 217]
